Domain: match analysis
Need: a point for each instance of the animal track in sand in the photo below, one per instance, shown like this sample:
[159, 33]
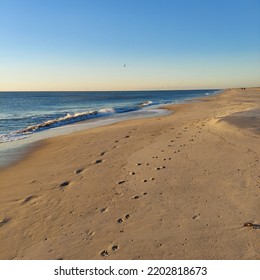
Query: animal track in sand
[135, 197]
[160, 167]
[132, 173]
[104, 253]
[103, 209]
[114, 247]
[98, 161]
[103, 153]
[78, 170]
[251, 225]
[120, 220]
[64, 184]
[27, 199]
[196, 217]
[4, 221]
[121, 182]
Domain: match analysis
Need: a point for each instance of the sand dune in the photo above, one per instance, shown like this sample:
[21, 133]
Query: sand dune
[180, 186]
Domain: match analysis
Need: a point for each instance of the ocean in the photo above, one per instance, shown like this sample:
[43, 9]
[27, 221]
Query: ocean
[26, 114]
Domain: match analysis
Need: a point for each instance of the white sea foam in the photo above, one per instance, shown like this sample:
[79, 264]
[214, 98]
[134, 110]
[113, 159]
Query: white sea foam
[69, 118]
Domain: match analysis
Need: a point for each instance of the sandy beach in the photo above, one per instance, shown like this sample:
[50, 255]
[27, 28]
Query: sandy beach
[180, 186]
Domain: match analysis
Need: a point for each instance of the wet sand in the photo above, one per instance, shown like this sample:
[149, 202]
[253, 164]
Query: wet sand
[180, 186]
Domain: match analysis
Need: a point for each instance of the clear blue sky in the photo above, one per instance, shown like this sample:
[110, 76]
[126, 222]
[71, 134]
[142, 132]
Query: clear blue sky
[165, 44]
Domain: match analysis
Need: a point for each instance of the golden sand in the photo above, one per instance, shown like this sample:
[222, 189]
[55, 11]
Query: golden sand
[180, 186]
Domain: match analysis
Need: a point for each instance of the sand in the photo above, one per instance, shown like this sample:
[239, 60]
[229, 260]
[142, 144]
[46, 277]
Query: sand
[174, 187]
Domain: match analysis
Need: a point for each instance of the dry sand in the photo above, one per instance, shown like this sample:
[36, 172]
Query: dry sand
[174, 187]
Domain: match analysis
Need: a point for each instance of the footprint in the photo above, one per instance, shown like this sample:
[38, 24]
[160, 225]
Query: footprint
[135, 197]
[103, 209]
[161, 167]
[103, 153]
[254, 226]
[114, 247]
[196, 217]
[120, 220]
[64, 184]
[78, 171]
[104, 253]
[98, 161]
[121, 182]
[4, 221]
[127, 216]
[27, 199]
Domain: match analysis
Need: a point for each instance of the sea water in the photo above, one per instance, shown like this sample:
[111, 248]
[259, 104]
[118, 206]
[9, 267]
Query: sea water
[26, 117]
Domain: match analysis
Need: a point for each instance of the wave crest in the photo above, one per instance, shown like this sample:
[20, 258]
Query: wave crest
[69, 118]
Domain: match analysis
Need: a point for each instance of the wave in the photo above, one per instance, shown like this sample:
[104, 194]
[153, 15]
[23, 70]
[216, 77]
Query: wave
[82, 116]
[145, 104]
[70, 118]
[11, 137]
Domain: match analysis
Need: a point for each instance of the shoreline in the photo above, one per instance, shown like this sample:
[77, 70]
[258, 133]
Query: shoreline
[14, 151]
[24, 146]
[179, 186]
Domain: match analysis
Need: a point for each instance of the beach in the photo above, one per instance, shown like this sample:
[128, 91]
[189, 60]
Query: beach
[180, 186]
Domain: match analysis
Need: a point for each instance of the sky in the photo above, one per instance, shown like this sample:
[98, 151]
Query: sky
[129, 44]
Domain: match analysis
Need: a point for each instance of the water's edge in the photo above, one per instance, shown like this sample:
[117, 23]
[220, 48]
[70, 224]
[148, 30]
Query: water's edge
[15, 151]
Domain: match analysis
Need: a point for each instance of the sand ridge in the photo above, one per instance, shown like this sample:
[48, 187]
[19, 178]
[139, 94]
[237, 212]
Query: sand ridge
[173, 187]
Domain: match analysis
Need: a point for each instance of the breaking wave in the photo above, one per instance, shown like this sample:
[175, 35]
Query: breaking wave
[69, 118]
